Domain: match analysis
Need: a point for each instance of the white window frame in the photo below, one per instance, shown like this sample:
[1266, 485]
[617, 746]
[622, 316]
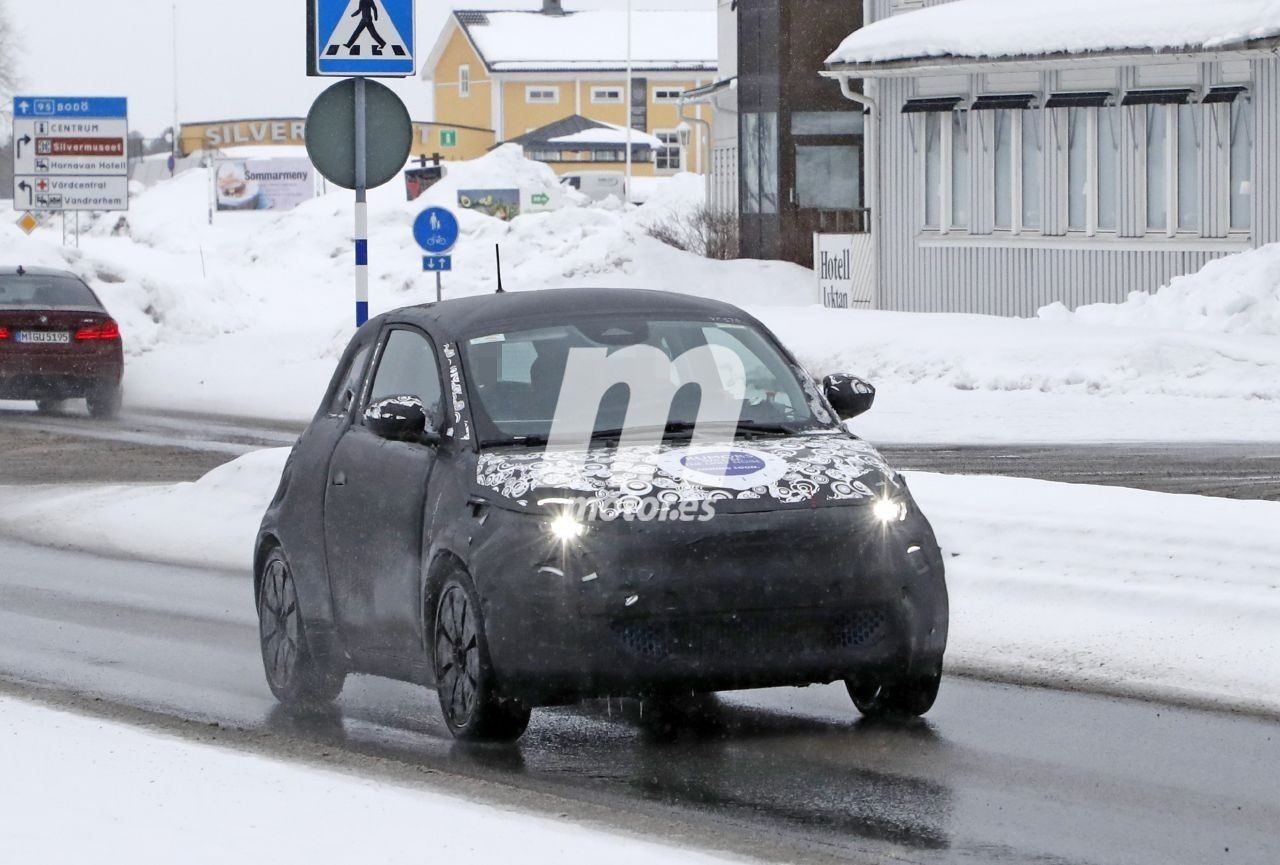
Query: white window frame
[1017, 127]
[531, 89]
[657, 152]
[668, 89]
[597, 97]
[1092, 131]
[464, 81]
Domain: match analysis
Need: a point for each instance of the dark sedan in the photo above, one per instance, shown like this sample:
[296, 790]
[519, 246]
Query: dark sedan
[57, 342]
[430, 526]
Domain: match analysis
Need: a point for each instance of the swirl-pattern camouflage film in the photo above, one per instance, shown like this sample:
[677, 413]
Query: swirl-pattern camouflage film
[822, 466]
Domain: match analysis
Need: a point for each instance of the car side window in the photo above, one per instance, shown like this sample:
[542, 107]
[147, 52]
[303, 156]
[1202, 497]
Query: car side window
[408, 367]
[347, 392]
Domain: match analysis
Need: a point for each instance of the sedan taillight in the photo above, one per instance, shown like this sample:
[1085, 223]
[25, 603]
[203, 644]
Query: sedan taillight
[107, 330]
[4, 333]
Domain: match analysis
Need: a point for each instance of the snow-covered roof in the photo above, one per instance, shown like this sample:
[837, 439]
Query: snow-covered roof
[594, 40]
[608, 135]
[1007, 29]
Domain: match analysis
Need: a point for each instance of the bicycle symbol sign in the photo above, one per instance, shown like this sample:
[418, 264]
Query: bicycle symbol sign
[436, 230]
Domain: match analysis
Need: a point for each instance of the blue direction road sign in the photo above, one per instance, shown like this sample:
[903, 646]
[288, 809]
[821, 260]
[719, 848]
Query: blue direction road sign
[363, 37]
[96, 107]
[436, 230]
[437, 263]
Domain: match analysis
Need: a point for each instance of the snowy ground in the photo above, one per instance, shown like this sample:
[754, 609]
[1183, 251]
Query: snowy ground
[124, 789]
[206, 308]
[1101, 588]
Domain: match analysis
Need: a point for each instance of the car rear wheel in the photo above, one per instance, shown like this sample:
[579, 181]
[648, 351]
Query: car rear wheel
[104, 403]
[473, 708]
[294, 674]
[912, 696]
[50, 406]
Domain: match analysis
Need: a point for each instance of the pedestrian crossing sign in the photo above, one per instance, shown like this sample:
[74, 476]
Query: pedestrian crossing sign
[372, 38]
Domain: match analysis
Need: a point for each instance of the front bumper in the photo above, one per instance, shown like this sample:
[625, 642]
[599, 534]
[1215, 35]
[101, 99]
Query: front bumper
[744, 600]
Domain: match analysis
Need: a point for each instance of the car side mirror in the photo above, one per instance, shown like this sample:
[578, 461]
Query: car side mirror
[849, 395]
[400, 418]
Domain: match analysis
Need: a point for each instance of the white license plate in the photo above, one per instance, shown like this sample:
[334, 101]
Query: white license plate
[45, 337]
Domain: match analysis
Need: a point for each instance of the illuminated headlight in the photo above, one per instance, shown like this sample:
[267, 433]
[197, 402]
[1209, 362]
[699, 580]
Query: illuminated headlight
[890, 510]
[565, 528]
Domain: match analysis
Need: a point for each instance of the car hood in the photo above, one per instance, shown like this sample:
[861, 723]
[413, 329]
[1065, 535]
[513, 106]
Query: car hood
[805, 470]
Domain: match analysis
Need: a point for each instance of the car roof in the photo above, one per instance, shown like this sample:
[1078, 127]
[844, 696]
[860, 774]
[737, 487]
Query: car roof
[12, 270]
[467, 316]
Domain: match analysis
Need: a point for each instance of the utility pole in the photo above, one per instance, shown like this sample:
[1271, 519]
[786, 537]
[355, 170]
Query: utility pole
[630, 99]
[176, 151]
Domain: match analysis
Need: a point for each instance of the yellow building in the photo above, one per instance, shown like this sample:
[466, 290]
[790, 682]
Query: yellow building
[517, 72]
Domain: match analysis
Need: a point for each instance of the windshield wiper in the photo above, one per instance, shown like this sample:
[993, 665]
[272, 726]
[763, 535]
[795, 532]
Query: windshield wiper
[675, 428]
[757, 428]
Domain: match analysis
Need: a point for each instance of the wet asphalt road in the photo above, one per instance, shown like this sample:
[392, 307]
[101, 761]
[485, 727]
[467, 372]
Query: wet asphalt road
[995, 774]
[147, 447]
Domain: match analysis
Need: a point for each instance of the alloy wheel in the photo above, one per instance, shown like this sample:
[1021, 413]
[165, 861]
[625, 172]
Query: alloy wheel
[457, 656]
[280, 624]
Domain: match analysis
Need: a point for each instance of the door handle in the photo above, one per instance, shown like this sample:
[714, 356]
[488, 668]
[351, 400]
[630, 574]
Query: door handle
[339, 479]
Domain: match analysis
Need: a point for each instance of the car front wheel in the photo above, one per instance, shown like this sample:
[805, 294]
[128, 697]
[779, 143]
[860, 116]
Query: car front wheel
[912, 697]
[294, 674]
[473, 708]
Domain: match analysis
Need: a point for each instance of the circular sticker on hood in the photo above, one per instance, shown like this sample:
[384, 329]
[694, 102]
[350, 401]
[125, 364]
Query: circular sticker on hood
[728, 468]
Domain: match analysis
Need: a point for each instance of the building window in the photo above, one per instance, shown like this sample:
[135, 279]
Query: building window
[1189, 139]
[542, 95]
[606, 94]
[669, 158]
[933, 171]
[828, 176]
[1109, 131]
[1093, 169]
[464, 81]
[1174, 175]
[1079, 181]
[667, 94]
[1158, 147]
[1003, 174]
[1032, 169]
[759, 162]
[1241, 170]
[960, 186]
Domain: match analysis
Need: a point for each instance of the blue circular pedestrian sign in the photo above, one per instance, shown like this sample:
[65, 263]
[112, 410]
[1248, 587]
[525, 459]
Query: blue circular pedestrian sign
[436, 230]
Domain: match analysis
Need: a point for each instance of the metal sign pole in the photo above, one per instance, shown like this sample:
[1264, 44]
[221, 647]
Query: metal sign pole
[438, 295]
[362, 212]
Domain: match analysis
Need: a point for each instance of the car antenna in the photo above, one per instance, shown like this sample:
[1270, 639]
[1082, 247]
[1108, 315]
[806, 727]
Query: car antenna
[497, 254]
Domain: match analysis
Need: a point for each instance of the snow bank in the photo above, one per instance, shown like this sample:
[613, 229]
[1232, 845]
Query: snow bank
[127, 789]
[210, 523]
[1011, 28]
[969, 378]
[1098, 588]
[1239, 294]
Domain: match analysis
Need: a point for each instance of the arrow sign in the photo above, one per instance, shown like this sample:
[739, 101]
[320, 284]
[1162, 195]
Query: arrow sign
[26, 139]
[26, 187]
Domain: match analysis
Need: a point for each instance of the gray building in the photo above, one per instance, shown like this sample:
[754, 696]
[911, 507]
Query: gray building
[1010, 176]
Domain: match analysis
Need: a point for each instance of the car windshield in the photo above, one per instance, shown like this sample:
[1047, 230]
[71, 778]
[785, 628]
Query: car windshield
[45, 292]
[517, 377]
